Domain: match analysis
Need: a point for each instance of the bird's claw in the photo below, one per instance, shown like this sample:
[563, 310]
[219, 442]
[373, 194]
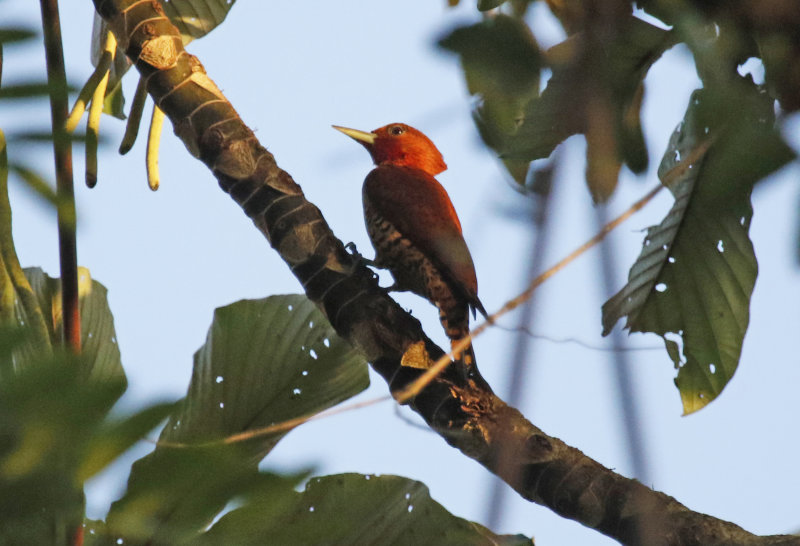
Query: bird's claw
[353, 250]
[360, 260]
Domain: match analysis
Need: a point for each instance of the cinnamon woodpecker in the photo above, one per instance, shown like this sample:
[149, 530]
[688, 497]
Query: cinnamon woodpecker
[414, 228]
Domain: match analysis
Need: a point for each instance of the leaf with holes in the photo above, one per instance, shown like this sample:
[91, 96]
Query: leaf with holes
[352, 509]
[264, 362]
[693, 279]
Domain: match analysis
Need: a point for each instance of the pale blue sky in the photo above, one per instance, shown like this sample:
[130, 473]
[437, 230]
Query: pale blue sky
[294, 68]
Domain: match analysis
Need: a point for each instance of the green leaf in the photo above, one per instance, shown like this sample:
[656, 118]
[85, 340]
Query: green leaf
[693, 279]
[196, 18]
[116, 437]
[174, 493]
[352, 509]
[264, 362]
[99, 351]
[501, 63]
[48, 413]
[114, 100]
[94, 533]
[594, 90]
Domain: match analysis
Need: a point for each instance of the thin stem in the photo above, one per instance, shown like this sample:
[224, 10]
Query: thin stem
[62, 148]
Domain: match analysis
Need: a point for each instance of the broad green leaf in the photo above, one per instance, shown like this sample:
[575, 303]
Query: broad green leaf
[352, 509]
[501, 63]
[264, 362]
[100, 353]
[693, 279]
[174, 493]
[595, 89]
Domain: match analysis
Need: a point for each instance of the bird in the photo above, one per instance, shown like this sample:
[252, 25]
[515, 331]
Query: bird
[415, 230]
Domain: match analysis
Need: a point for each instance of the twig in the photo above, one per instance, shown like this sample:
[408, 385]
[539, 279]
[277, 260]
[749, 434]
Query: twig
[62, 148]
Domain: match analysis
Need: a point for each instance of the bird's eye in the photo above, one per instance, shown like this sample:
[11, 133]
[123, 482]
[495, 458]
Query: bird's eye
[397, 130]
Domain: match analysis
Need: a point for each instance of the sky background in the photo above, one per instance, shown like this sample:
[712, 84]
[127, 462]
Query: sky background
[292, 69]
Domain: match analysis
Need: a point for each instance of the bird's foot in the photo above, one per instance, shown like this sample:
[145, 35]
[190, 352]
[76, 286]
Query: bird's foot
[360, 259]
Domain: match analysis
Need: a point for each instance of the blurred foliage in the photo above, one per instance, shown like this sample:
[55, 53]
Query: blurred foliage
[693, 280]
[595, 89]
[27, 90]
[54, 434]
[501, 63]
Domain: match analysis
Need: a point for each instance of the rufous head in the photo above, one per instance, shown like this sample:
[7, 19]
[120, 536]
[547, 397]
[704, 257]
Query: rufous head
[399, 144]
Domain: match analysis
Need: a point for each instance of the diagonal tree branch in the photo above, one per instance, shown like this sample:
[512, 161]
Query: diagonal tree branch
[467, 415]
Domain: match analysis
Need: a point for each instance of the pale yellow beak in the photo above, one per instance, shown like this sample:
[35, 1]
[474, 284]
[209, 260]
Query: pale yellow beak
[355, 134]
